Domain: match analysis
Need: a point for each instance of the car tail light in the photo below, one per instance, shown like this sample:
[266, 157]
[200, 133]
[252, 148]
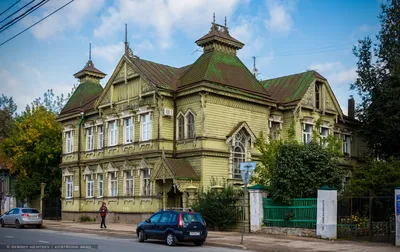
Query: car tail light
[39, 215]
[25, 215]
[180, 220]
[205, 223]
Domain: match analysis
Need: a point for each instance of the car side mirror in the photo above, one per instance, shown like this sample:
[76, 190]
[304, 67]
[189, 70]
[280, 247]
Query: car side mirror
[148, 221]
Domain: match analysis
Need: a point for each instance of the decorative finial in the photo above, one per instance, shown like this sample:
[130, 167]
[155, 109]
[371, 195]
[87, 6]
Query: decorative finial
[126, 39]
[214, 18]
[225, 21]
[163, 153]
[90, 51]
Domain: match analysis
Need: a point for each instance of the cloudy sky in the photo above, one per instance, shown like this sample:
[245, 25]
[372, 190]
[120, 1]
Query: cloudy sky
[285, 36]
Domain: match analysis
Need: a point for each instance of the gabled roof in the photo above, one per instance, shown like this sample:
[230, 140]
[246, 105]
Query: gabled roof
[288, 90]
[222, 68]
[162, 76]
[83, 98]
[181, 168]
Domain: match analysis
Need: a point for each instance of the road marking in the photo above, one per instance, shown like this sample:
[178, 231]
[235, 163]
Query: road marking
[44, 241]
[9, 236]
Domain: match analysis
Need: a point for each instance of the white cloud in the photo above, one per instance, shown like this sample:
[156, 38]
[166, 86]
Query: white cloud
[70, 17]
[145, 45]
[163, 17]
[344, 77]
[23, 94]
[111, 53]
[279, 20]
[324, 67]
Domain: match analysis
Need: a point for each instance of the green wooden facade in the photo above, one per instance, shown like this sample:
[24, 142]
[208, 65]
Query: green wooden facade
[155, 135]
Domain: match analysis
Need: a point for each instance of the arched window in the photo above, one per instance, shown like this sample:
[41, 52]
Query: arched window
[181, 127]
[190, 125]
[238, 153]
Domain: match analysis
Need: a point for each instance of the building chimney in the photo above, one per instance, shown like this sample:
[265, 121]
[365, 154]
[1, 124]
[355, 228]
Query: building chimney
[351, 107]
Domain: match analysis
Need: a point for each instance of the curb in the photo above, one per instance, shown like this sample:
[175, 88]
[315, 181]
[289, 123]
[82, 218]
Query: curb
[127, 234]
[225, 245]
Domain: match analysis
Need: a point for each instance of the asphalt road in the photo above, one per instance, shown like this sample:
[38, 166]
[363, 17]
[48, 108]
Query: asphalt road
[46, 240]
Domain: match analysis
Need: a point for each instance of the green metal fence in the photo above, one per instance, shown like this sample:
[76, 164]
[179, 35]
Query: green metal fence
[302, 213]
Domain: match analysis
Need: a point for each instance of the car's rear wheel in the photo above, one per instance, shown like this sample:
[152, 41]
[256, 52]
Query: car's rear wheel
[171, 240]
[2, 223]
[18, 224]
[199, 243]
[141, 236]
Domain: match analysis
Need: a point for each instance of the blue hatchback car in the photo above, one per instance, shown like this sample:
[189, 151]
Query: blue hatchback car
[174, 225]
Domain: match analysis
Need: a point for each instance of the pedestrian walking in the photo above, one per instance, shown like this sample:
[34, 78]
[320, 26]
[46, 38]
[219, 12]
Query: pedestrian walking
[103, 212]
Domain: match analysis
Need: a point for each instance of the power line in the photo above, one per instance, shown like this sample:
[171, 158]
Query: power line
[10, 7]
[37, 22]
[319, 48]
[310, 52]
[17, 11]
[22, 16]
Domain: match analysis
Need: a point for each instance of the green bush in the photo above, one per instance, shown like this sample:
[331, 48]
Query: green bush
[221, 210]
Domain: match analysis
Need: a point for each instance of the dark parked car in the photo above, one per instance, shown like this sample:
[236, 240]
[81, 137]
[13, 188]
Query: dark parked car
[174, 225]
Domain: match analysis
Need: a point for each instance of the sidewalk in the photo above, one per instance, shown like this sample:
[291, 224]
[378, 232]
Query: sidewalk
[254, 242]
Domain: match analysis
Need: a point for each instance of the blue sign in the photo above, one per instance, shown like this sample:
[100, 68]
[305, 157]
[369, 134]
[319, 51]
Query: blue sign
[247, 166]
[398, 204]
[246, 170]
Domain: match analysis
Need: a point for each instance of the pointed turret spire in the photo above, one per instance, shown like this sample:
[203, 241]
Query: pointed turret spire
[89, 72]
[214, 18]
[225, 23]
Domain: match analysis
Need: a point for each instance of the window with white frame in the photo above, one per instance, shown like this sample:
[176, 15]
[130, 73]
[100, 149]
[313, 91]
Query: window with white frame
[238, 153]
[129, 183]
[307, 133]
[113, 184]
[69, 185]
[275, 128]
[69, 142]
[190, 125]
[181, 127]
[146, 127]
[128, 138]
[100, 185]
[324, 135]
[346, 144]
[89, 139]
[112, 133]
[89, 186]
[146, 190]
[100, 143]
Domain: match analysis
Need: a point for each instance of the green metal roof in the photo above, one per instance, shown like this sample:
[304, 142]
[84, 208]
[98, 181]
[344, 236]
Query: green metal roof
[288, 89]
[83, 98]
[222, 68]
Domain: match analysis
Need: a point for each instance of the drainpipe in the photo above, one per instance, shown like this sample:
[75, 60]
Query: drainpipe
[79, 158]
[174, 124]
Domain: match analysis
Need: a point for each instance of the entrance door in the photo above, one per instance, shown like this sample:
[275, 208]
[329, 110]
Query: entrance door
[174, 198]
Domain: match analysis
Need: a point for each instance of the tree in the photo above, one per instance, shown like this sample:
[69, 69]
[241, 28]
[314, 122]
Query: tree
[379, 176]
[32, 152]
[7, 111]
[219, 208]
[292, 169]
[52, 102]
[378, 85]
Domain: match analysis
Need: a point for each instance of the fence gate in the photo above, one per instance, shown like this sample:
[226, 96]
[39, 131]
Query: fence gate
[366, 218]
[52, 208]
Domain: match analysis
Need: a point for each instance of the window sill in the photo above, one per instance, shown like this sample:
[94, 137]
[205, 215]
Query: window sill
[128, 146]
[145, 143]
[89, 153]
[99, 197]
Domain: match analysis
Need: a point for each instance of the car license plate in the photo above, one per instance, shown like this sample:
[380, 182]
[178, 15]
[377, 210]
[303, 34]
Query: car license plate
[194, 233]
